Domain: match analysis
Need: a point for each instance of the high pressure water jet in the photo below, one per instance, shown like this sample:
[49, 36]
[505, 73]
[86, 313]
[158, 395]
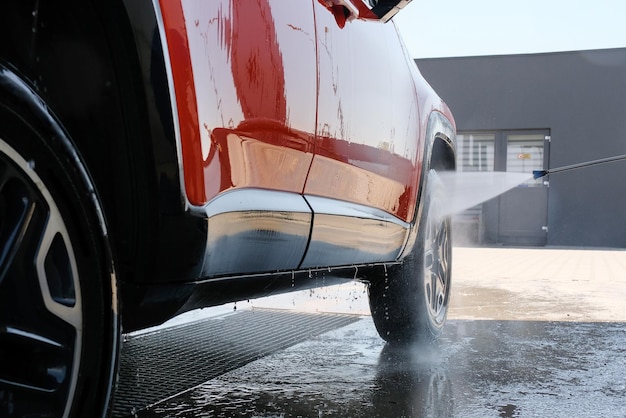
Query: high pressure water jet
[463, 190]
[540, 173]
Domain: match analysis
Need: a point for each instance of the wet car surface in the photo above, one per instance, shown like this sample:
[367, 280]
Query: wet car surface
[158, 157]
[508, 351]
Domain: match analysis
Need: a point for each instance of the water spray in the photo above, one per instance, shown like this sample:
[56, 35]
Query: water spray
[464, 190]
[540, 173]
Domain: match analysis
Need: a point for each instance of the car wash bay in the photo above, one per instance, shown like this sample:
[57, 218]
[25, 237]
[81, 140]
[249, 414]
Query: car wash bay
[531, 332]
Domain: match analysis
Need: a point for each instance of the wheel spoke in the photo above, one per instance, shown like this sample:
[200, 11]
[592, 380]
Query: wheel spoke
[16, 210]
[440, 293]
[442, 264]
[435, 292]
[38, 363]
[429, 260]
[56, 271]
[443, 249]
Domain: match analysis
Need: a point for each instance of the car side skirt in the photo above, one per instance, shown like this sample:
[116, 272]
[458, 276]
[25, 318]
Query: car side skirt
[254, 230]
[155, 303]
[258, 231]
[348, 231]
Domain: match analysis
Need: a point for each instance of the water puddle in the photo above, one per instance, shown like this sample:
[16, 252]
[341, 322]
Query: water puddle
[465, 190]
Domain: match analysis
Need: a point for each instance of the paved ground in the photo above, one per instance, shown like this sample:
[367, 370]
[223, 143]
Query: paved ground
[531, 332]
[507, 284]
[539, 284]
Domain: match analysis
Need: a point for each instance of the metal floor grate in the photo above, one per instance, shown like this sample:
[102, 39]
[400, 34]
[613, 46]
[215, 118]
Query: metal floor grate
[158, 365]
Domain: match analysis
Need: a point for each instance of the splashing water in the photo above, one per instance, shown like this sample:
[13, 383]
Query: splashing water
[464, 190]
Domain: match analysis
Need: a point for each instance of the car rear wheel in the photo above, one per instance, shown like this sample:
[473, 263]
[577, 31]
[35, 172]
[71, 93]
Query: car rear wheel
[58, 306]
[410, 303]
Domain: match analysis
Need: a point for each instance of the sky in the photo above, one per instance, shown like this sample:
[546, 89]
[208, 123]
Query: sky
[452, 28]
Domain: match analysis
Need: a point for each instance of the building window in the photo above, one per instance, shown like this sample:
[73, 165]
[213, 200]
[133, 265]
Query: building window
[476, 151]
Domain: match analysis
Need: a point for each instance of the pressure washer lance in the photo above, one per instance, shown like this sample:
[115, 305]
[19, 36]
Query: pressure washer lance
[540, 173]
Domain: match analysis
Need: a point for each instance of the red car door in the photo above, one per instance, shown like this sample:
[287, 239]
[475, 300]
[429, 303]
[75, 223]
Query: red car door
[245, 86]
[367, 150]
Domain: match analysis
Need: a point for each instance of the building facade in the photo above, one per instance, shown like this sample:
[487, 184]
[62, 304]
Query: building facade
[541, 111]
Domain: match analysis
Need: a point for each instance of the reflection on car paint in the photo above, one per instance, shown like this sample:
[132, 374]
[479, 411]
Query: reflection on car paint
[301, 96]
[251, 80]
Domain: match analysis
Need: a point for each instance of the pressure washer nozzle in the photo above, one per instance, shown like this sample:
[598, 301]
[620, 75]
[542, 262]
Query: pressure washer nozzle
[540, 173]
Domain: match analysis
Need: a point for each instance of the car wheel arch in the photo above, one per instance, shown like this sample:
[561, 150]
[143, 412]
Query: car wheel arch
[22, 97]
[439, 154]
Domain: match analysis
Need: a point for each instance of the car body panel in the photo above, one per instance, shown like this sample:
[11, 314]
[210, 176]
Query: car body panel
[285, 101]
[245, 80]
[272, 97]
[265, 103]
[368, 131]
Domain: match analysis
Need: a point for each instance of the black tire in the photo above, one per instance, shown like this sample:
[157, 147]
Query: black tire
[59, 333]
[410, 303]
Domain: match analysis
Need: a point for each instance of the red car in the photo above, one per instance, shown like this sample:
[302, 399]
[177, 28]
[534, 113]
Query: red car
[161, 156]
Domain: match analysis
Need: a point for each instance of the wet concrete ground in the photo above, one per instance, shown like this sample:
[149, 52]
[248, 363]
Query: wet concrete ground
[531, 333]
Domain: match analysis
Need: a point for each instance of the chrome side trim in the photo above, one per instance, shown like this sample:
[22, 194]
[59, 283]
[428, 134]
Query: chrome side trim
[345, 232]
[252, 231]
[326, 206]
[240, 200]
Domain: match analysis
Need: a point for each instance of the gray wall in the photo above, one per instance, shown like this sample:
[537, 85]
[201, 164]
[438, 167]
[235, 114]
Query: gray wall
[581, 97]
